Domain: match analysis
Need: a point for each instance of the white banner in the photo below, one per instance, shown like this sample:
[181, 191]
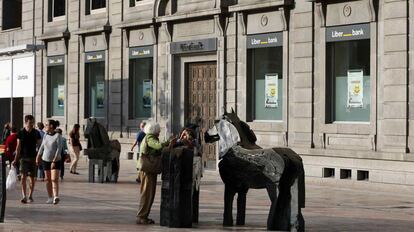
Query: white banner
[271, 88]
[355, 88]
[5, 78]
[23, 77]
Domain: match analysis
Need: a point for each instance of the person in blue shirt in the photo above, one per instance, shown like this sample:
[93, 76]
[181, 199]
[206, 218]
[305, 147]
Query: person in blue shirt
[138, 140]
[40, 169]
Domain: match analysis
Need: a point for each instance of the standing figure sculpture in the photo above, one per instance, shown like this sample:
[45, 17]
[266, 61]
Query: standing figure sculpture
[244, 165]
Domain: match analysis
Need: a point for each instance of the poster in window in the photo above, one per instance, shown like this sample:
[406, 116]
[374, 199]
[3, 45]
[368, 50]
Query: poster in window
[147, 93]
[100, 93]
[61, 96]
[271, 88]
[355, 88]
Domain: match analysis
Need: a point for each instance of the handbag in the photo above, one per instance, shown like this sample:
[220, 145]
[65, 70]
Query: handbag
[151, 163]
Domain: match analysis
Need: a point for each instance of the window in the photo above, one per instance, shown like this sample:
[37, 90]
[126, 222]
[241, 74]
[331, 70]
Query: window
[57, 9]
[95, 6]
[265, 83]
[348, 83]
[95, 85]
[12, 14]
[56, 87]
[140, 88]
[133, 3]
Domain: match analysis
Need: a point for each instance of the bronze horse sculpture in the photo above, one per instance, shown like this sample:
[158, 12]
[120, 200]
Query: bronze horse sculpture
[244, 165]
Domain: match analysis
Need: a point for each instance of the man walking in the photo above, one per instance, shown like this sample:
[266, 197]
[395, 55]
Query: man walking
[28, 139]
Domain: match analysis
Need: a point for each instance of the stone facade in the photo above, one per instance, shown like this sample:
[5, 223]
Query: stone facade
[379, 150]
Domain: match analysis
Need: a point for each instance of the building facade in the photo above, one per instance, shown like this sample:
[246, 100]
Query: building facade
[330, 79]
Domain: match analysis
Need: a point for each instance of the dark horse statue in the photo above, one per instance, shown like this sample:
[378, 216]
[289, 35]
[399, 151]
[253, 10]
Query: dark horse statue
[244, 165]
[101, 148]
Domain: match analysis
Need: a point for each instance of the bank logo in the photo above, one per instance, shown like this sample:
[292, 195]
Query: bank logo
[270, 40]
[340, 34]
[347, 10]
[264, 20]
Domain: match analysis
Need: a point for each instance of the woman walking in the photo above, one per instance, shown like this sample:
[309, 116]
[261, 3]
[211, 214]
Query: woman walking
[150, 145]
[75, 148]
[50, 155]
[6, 132]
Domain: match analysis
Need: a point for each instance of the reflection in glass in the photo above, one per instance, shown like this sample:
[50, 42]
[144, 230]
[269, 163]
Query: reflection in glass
[56, 90]
[95, 88]
[348, 95]
[140, 88]
[265, 84]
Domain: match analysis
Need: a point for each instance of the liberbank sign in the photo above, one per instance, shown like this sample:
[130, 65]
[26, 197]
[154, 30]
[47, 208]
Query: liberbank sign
[349, 32]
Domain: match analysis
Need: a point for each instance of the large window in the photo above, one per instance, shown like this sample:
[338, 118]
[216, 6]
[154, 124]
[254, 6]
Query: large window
[12, 14]
[265, 78]
[140, 79]
[348, 82]
[95, 85]
[56, 86]
[95, 6]
[57, 9]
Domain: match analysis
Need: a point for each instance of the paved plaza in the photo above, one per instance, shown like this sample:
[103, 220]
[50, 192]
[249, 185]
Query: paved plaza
[332, 205]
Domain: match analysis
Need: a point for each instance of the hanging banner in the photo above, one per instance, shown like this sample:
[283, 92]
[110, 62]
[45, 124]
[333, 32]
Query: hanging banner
[100, 93]
[147, 93]
[61, 96]
[5, 78]
[271, 87]
[23, 77]
[355, 88]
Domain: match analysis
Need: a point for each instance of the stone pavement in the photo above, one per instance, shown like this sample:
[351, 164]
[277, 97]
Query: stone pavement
[332, 205]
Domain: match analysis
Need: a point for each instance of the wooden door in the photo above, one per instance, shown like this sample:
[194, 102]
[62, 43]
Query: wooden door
[201, 103]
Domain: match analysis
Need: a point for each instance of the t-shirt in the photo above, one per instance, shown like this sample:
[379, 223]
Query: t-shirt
[51, 147]
[42, 133]
[28, 142]
[140, 137]
[75, 139]
[11, 143]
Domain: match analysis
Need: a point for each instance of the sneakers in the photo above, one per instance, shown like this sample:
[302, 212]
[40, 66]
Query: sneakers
[30, 200]
[56, 200]
[23, 200]
[49, 201]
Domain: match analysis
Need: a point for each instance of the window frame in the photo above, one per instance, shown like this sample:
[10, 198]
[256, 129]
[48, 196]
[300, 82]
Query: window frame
[341, 127]
[57, 18]
[87, 84]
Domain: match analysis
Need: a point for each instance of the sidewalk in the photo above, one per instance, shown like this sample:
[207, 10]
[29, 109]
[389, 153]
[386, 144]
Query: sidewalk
[112, 207]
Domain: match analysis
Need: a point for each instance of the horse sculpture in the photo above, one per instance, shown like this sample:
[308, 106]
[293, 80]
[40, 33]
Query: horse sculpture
[101, 148]
[244, 165]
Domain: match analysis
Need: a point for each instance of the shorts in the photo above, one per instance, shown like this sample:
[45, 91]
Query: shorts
[47, 166]
[28, 167]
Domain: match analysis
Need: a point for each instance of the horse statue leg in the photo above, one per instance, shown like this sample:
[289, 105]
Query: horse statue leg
[297, 202]
[229, 193]
[272, 192]
[241, 207]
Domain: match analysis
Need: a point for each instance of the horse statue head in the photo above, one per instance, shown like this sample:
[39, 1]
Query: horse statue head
[229, 130]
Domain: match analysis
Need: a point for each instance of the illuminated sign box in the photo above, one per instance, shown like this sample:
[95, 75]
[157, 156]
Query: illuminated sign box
[349, 32]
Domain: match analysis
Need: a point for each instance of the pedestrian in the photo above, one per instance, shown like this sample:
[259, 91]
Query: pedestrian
[64, 153]
[150, 145]
[50, 155]
[28, 140]
[6, 132]
[10, 145]
[40, 169]
[75, 148]
[138, 140]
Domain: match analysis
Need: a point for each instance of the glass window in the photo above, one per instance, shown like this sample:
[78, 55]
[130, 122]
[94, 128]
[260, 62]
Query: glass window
[98, 4]
[59, 8]
[56, 90]
[95, 89]
[140, 88]
[133, 2]
[12, 14]
[265, 84]
[348, 95]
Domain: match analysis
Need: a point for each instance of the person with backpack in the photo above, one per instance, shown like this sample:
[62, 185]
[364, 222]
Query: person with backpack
[50, 156]
[28, 139]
